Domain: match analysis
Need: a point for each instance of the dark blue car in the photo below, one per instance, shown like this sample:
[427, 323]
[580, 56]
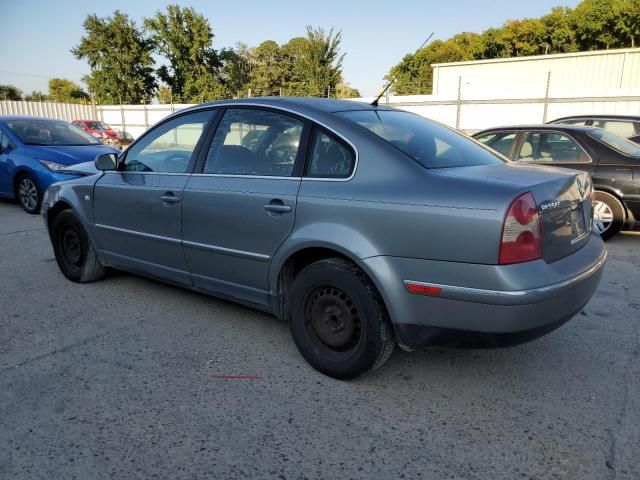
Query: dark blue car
[33, 153]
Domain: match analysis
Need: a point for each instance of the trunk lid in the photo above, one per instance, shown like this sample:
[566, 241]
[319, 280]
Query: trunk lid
[562, 197]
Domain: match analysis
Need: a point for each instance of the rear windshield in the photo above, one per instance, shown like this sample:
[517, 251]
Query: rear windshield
[49, 132]
[429, 143]
[622, 145]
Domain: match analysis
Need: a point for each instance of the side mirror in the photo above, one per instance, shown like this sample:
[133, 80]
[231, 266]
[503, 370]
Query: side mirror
[106, 161]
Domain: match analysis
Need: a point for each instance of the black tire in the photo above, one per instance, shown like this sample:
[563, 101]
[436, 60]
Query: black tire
[74, 252]
[338, 320]
[27, 193]
[607, 204]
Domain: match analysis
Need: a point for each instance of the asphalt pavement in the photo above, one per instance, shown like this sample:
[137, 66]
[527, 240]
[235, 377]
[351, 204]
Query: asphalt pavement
[129, 378]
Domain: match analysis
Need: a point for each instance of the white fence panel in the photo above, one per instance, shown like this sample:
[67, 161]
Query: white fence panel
[62, 111]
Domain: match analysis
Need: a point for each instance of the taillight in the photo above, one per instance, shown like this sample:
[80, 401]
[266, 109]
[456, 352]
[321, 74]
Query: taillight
[521, 234]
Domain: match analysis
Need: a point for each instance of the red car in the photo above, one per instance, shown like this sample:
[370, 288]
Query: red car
[100, 130]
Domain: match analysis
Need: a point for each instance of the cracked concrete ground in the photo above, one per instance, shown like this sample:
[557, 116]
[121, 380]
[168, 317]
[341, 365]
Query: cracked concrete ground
[122, 379]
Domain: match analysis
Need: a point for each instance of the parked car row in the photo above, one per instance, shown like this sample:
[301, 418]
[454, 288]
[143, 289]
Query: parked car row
[363, 227]
[612, 162]
[34, 153]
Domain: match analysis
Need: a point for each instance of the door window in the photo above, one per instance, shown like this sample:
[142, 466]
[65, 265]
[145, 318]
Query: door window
[550, 147]
[624, 129]
[330, 158]
[254, 142]
[501, 141]
[578, 122]
[169, 147]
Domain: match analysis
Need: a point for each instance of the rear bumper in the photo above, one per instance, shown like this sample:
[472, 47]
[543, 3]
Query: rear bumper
[487, 305]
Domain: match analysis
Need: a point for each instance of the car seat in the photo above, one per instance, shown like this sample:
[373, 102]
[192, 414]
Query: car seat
[526, 152]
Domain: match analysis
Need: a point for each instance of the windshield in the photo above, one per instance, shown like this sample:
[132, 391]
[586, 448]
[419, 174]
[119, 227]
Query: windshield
[98, 126]
[431, 144]
[49, 132]
[622, 145]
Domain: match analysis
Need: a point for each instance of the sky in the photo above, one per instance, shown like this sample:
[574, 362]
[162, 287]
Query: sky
[36, 36]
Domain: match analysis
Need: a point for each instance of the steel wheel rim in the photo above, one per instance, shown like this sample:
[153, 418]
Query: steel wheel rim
[28, 193]
[332, 319]
[602, 216]
[72, 247]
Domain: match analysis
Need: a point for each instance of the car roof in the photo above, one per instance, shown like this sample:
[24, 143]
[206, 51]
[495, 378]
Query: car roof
[308, 104]
[8, 118]
[541, 126]
[597, 117]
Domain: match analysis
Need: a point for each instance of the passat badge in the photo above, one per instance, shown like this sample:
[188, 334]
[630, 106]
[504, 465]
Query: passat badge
[549, 206]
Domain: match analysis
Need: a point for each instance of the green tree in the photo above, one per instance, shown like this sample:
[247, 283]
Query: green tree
[267, 73]
[344, 90]
[521, 37]
[236, 69]
[559, 35]
[119, 57]
[594, 22]
[415, 74]
[36, 96]
[164, 94]
[322, 63]
[10, 92]
[184, 37]
[627, 21]
[65, 91]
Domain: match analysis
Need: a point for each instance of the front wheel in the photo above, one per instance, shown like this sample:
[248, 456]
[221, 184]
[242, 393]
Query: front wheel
[28, 194]
[74, 252]
[338, 320]
[608, 215]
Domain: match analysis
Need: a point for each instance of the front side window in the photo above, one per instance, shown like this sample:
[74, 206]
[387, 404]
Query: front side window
[429, 143]
[550, 147]
[622, 128]
[169, 147]
[49, 132]
[499, 141]
[330, 158]
[254, 142]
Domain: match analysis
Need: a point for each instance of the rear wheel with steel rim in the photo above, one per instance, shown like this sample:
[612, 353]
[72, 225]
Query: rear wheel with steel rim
[74, 252]
[608, 215]
[28, 194]
[338, 320]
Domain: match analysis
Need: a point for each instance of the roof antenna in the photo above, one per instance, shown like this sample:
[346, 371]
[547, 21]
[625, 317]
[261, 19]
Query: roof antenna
[400, 70]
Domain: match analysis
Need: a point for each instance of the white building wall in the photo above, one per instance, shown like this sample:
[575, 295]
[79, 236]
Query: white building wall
[599, 73]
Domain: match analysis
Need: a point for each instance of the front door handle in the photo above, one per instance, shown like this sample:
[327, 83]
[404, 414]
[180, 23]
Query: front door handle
[169, 197]
[277, 206]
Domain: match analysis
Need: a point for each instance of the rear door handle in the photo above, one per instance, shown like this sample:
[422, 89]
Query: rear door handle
[277, 206]
[169, 197]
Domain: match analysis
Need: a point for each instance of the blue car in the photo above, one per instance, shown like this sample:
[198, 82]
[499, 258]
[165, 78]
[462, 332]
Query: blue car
[33, 153]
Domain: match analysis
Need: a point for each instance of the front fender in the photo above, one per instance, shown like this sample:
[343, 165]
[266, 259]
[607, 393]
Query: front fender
[77, 194]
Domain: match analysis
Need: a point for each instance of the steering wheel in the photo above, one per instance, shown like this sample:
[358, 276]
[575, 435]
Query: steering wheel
[177, 163]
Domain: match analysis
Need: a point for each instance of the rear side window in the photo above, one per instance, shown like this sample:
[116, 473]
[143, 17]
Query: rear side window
[254, 142]
[499, 141]
[578, 122]
[551, 147]
[330, 158]
[622, 128]
[620, 144]
[431, 144]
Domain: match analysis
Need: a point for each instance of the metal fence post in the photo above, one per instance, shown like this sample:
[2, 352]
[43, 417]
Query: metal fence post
[124, 125]
[146, 115]
[459, 103]
[546, 98]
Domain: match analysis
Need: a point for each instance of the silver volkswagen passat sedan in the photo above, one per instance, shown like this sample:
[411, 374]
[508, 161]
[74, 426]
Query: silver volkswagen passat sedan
[361, 226]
